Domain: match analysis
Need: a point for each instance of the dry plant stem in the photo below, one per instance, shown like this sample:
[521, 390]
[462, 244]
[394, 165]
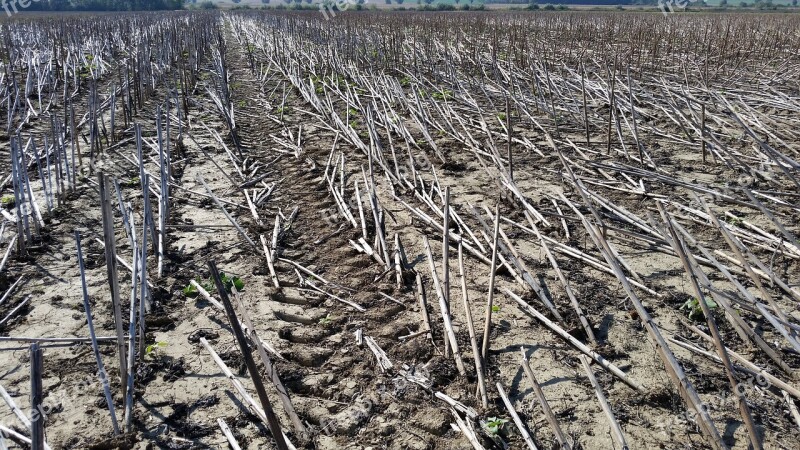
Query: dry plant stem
[250, 401]
[448, 326]
[734, 245]
[674, 369]
[490, 299]
[11, 434]
[37, 396]
[228, 434]
[225, 212]
[745, 367]
[458, 406]
[466, 431]
[616, 430]
[398, 262]
[14, 311]
[8, 252]
[66, 340]
[792, 408]
[510, 156]
[423, 306]
[446, 259]
[746, 364]
[100, 368]
[18, 412]
[612, 106]
[735, 318]
[473, 339]
[269, 368]
[548, 413]
[573, 300]
[575, 343]
[268, 254]
[132, 331]
[523, 430]
[272, 420]
[10, 290]
[744, 409]
[111, 272]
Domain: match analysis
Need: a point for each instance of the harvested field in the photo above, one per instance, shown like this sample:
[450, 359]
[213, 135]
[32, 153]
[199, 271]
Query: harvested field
[400, 230]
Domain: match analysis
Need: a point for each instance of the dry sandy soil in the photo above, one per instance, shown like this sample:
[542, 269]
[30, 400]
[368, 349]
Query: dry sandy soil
[343, 396]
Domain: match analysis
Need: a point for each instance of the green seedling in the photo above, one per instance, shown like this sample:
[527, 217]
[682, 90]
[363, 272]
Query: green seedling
[443, 95]
[732, 220]
[7, 201]
[231, 282]
[495, 308]
[494, 425]
[152, 349]
[208, 284]
[325, 321]
[501, 117]
[695, 309]
[191, 291]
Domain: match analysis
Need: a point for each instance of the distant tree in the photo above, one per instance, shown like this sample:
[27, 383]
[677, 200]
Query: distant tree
[723, 3]
[428, 2]
[794, 3]
[743, 4]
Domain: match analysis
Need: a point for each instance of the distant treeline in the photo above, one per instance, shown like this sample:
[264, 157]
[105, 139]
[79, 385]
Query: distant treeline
[103, 5]
[577, 2]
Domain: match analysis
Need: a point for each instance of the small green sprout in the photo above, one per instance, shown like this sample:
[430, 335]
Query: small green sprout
[443, 95]
[695, 309]
[229, 282]
[495, 308]
[7, 201]
[152, 349]
[325, 321]
[733, 220]
[494, 425]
